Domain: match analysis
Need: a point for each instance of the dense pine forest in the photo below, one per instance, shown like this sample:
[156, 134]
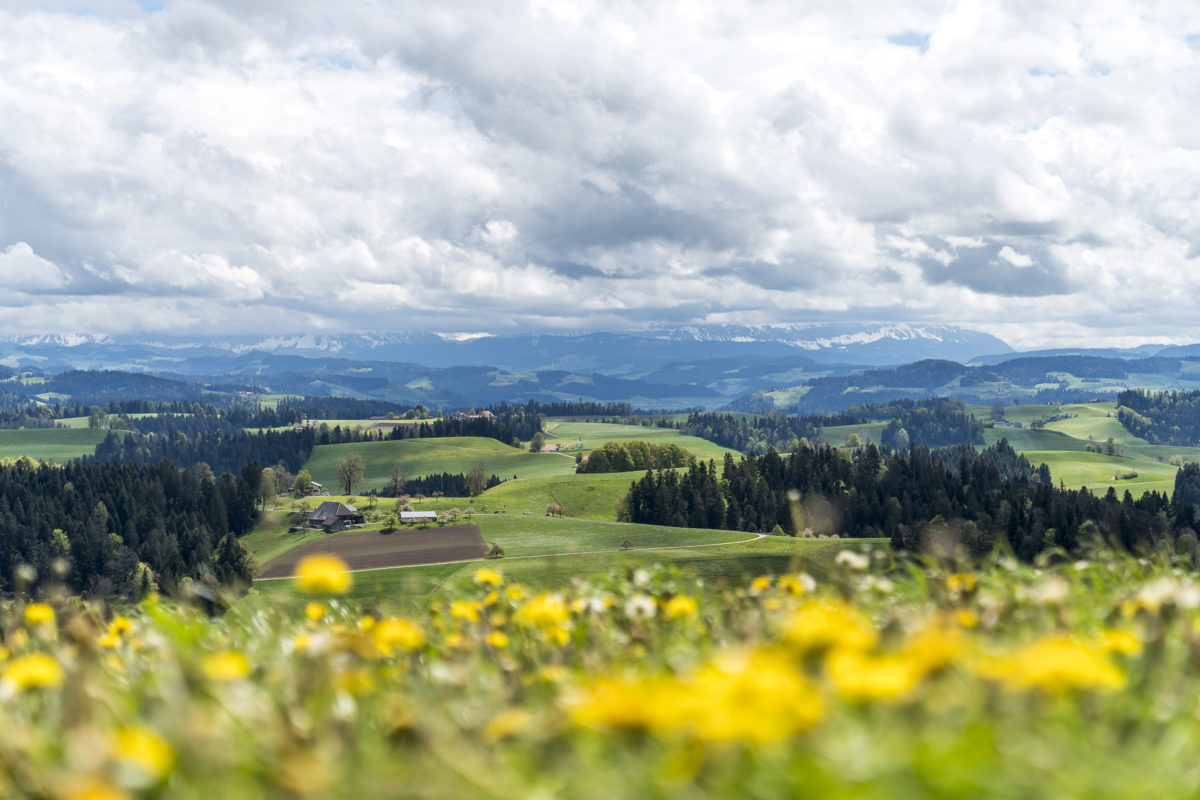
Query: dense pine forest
[935, 422]
[110, 529]
[1161, 417]
[979, 499]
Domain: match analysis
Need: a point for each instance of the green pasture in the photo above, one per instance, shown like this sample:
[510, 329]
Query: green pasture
[585, 496]
[419, 457]
[1097, 472]
[714, 556]
[837, 435]
[1093, 420]
[594, 434]
[59, 444]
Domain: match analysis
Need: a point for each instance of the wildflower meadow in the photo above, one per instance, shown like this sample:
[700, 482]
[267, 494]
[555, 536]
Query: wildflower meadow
[883, 680]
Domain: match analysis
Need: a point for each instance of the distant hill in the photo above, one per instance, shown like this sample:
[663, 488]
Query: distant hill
[1048, 379]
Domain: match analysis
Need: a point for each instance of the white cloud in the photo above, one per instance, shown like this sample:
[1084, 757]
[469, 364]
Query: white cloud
[240, 163]
[22, 270]
[1013, 257]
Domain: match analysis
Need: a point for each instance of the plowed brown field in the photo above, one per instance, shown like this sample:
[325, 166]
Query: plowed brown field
[374, 550]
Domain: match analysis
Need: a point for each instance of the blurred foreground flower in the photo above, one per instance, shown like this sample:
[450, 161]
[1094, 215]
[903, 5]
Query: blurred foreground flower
[742, 695]
[226, 666]
[34, 671]
[323, 574]
[39, 614]
[1054, 663]
[144, 753]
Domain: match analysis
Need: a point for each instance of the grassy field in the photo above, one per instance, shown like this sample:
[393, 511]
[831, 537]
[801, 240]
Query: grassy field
[594, 434]
[1062, 446]
[550, 552]
[521, 536]
[584, 496]
[420, 457]
[734, 564]
[837, 435]
[59, 444]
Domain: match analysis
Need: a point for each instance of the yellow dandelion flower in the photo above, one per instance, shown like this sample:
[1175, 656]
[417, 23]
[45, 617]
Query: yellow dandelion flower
[465, 610]
[366, 623]
[491, 598]
[145, 751]
[962, 582]
[300, 642]
[1055, 664]
[227, 665]
[1123, 642]
[760, 584]
[515, 592]
[506, 724]
[545, 612]
[754, 696]
[323, 574]
[934, 648]
[355, 681]
[966, 618]
[828, 624]
[95, 789]
[397, 634]
[33, 671]
[314, 611]
[39, 614]
[861, 677]
[120, 627]
[488, 577]
[681, 606]
[796, 585]
[498, 639]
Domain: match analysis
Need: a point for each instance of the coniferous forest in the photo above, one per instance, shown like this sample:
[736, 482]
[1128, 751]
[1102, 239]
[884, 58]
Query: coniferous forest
[980, 499]
[124, 529]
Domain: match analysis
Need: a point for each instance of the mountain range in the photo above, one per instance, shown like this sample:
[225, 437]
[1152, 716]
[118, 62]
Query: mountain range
[747, 367]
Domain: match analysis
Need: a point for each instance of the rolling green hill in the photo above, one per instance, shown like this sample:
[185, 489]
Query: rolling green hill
[591, 435]
[59, 444]
[420, 457]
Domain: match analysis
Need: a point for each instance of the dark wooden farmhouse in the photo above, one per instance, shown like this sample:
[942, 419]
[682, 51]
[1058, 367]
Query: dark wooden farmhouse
[331, 516]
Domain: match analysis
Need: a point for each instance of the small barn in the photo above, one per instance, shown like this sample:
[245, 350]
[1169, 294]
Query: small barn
[331, 516]
[410, 517]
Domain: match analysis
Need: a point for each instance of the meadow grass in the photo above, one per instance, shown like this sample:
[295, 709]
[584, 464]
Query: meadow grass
[588, 496]
[594, 434]
[420, 457]
[837, 435]
[59, 444]
[676, 674]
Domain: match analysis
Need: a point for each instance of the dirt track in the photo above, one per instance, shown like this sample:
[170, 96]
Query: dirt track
[373, 550]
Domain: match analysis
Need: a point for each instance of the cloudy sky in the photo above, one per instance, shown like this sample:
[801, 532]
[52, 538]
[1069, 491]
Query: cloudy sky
[264, 166]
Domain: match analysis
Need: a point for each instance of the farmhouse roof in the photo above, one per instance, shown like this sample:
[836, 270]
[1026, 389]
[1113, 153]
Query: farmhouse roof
[411, 515]
[331, 510]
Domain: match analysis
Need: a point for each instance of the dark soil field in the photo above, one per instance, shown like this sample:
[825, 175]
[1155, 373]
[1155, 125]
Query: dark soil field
[372, 549]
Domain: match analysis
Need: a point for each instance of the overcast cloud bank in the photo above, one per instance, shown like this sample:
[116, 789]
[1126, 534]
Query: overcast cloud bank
[256, 166]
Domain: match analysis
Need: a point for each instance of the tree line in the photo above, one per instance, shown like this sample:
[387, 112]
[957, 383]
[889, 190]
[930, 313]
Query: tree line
[975, 499]
[931, 422]
[634, 455]
[1161, 417]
